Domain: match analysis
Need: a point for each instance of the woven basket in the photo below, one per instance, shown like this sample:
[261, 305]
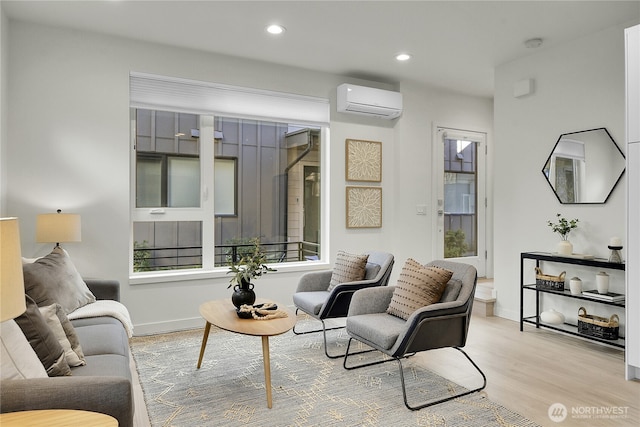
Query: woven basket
[597, 326]
[545, 281]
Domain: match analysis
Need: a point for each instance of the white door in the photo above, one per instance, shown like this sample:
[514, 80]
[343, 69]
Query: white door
[460, 201]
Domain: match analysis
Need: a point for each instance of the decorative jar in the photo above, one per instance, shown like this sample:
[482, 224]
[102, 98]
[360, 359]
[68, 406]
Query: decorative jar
[551, 316]
[575, 286]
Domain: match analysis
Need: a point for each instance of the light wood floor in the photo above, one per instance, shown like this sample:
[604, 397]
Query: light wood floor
[529, 371]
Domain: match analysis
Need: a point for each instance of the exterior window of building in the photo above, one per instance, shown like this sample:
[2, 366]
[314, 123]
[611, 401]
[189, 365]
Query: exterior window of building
[225, 180]
[206, 185]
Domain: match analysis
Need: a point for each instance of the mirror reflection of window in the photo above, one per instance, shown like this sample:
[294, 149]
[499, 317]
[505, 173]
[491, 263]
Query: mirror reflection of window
[565, 179]
[584, 167]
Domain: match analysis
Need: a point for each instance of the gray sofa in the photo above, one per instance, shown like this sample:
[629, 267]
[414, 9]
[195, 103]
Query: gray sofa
[102, 385]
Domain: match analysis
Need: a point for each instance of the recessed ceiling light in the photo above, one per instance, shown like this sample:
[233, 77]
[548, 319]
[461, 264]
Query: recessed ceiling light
[403, 57]
[533, 43]
[275, 29]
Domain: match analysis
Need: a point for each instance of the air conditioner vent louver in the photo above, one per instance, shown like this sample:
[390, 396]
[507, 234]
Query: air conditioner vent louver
[368, 101]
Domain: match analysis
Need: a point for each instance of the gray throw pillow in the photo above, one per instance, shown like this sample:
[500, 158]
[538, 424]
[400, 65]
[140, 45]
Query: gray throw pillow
[43, 341]
[54, 279]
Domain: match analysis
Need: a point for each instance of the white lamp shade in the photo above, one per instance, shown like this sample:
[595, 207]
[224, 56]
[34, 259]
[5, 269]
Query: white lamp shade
[58, 227]
[12, 303]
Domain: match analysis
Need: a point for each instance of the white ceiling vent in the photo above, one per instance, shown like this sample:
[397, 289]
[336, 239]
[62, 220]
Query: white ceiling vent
[369, 101]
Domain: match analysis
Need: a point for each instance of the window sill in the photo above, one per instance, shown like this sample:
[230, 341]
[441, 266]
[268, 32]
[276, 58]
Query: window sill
[218, 273]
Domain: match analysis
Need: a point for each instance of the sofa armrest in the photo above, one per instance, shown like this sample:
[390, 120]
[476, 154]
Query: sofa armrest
[108, 395]
[371, 300]
[104, 288]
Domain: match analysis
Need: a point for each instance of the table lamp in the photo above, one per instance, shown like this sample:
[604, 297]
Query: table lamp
[58, 227]
[12, 302]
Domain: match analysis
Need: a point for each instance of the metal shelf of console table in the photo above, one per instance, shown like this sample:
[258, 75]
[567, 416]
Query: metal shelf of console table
[566, 327]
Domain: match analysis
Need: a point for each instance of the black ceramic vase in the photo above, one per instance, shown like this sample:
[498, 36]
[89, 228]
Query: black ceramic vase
[243, 294]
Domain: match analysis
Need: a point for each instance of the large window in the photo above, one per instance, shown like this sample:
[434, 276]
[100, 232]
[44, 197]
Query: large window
[206, 185]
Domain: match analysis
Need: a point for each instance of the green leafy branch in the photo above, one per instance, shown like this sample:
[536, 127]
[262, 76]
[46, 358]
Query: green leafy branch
[563, 226]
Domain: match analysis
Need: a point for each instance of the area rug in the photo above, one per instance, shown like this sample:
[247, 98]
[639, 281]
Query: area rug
[308, 388]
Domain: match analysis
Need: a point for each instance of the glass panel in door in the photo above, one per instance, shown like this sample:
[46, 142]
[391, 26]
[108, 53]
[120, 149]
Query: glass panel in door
[460, 198]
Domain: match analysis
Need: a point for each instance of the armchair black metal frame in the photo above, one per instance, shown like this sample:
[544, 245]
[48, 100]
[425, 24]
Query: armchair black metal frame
[313, 298]
[441, 325]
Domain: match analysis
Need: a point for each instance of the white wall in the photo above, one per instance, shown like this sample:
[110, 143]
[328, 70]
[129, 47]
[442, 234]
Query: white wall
[68, 145]
[4, 48]
[427, 109]
[578, 86]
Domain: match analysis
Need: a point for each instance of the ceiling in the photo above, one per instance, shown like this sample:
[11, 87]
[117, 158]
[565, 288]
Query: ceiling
[455, 44]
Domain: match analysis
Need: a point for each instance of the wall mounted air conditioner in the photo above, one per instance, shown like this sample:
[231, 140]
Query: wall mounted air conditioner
[369, 101]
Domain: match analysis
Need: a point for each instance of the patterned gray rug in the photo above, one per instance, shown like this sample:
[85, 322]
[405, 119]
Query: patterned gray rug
[308, 388]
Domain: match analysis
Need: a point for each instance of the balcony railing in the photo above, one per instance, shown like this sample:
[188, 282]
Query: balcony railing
[186, 257]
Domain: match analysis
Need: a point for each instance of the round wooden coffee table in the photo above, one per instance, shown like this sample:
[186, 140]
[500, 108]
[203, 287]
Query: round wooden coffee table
[222, 313]
[57, 418]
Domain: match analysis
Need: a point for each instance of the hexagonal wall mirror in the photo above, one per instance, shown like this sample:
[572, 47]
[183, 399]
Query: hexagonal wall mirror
[584, 167]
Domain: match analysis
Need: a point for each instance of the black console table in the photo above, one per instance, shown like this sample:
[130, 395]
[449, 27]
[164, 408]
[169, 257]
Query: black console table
[539, 257]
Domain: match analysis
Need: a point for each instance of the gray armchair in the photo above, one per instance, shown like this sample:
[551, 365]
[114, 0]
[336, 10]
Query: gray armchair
[313, 298]
[439, 325]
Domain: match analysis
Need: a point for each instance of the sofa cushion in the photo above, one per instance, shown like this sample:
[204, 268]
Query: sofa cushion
[43, 341]
[74, 356]
[106, 338]
[417, 287]
[18, 359]
[348, 268]
[54, 279]
[104, 365]
[379, 328]
[310, 302]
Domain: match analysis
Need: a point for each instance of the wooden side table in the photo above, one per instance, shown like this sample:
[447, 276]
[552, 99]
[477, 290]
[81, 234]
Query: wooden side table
[57, 418]
[222, 314]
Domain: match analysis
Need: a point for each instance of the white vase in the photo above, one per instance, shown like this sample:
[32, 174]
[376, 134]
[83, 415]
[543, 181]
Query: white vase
[565, 247]
[602, 282]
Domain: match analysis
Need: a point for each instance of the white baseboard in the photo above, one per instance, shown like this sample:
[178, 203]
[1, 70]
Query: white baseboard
[632, 373]
[506, 314]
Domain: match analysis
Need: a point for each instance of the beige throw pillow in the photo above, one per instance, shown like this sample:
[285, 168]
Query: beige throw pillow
[17, 358]
[348, 268]
[54, 279]
[52, 313]
[418, 286]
